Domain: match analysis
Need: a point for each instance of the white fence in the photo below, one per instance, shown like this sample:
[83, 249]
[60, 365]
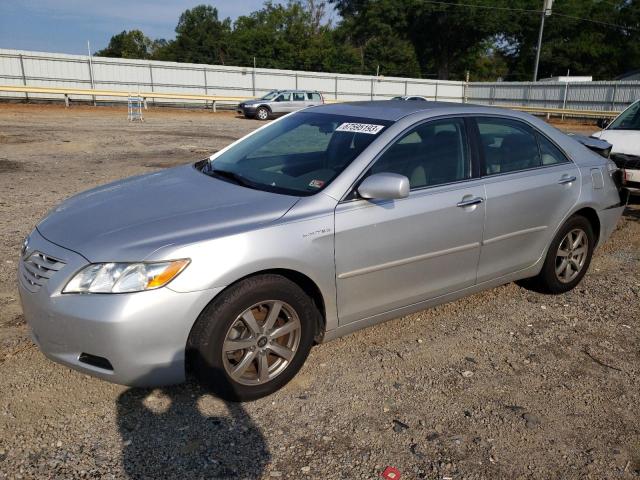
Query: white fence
[37, 69]
[602, 96]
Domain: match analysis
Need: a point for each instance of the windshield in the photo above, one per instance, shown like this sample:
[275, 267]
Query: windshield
[270, 95]
[298, 155]
[627, 120]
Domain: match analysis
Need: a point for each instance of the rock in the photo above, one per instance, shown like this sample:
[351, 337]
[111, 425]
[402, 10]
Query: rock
[467, 374]
[399, 426]
[306, 469]
[531, 420]
[275, 473]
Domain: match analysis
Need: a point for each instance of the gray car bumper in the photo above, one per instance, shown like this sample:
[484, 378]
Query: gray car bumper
[141, 335]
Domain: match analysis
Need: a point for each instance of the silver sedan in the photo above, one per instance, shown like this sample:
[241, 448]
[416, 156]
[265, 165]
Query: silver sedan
[318, 224]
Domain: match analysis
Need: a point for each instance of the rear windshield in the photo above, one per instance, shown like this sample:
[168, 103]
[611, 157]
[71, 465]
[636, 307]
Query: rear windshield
[313, 96]
[298, 155]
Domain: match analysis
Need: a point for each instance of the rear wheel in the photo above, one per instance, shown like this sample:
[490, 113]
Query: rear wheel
[262, 113]
[253, 339]
[568, 257]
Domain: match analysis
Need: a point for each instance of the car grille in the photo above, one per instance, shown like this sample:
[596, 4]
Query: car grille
[37, 268]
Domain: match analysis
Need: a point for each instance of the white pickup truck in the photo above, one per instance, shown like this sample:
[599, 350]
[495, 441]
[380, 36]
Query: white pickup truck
[624, 134]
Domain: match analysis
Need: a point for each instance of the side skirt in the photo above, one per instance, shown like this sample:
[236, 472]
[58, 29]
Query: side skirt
[449, 297]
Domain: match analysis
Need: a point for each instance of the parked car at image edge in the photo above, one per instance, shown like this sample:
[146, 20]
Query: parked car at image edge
[279, 102]
[624, 134]
[318, 224]
[411, 98]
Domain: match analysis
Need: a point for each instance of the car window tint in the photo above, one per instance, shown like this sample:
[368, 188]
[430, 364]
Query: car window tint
[549, 153]
[508, 146]
[285, 97]
[430, 154]
[303, 139]
[627, 120]
[313, 96]
[298, 97]
[299, 154]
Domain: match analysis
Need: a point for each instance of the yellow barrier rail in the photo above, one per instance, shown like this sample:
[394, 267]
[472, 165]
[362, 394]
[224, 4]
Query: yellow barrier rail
[563, 112]
[67, 92]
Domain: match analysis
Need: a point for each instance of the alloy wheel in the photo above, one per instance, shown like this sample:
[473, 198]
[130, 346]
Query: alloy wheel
[261, 342]
[571, 255]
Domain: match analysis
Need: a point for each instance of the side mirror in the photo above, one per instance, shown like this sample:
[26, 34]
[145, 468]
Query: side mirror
[384, 186]
[603, 122]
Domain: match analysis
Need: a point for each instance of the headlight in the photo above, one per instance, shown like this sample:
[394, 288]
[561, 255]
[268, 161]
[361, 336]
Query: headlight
[124, 277]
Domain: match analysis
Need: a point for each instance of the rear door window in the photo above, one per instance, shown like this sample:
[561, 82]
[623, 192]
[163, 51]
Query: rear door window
[298, 97]
[508, 146]
[314, 97]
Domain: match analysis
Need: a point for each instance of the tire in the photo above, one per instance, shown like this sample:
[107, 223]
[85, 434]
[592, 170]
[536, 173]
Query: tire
[555, 279]
[223, 325]
[262, 113]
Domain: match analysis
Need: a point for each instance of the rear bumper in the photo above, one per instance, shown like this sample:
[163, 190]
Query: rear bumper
[141, 335]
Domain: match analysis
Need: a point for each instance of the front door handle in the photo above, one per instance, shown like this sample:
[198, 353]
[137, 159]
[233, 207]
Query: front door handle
[470, 202]
[567, 179]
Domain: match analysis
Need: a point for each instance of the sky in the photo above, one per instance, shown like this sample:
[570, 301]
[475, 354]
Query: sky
[65, 26]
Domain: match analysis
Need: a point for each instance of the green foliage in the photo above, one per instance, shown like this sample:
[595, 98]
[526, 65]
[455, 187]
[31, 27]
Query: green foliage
[131, 44]
[410, 38]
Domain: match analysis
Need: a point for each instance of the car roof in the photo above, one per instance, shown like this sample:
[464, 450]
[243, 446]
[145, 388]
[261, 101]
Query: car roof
[394, 110]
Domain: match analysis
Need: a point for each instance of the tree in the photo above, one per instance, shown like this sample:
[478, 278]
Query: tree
[128, 44]
[200, 37]
[571, 43]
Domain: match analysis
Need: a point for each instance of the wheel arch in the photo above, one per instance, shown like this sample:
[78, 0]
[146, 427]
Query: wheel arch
[592, 216]
[303, 281]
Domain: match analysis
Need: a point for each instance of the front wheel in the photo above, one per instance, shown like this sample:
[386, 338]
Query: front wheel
[253, 339]
[568, 257]
[262, 113]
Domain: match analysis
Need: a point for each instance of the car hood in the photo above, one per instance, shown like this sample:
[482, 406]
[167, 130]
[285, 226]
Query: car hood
[130, 219]
[253, 102]
[623, 141]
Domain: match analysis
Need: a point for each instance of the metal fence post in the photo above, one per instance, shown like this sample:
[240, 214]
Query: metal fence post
[371, 88]
[24, 78]
[405, 87]
[253, 77]
[296, 80]
[564, 100]
[335, 88]
[91, 79]
[206, 89]
[466, 87]
[492, 91]
[613, 97]
[151, 80]
[436, 96]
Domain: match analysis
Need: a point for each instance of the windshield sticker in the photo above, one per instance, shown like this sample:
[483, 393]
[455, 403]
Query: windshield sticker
[360, 128]
[316, 183]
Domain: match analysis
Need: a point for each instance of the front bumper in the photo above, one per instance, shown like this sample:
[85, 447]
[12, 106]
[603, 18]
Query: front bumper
[248, 110]
[142, 335]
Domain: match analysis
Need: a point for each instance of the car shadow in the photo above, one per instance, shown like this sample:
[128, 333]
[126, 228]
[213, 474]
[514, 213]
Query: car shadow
[165, 435]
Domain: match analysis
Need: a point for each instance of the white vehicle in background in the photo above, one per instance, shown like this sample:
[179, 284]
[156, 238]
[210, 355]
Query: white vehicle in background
[624, 134]
[411, 98]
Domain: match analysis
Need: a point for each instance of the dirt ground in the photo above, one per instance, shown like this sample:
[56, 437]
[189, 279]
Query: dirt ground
[504, 384]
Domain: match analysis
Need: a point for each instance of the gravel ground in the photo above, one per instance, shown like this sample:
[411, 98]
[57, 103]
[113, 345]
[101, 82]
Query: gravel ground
[504, 384]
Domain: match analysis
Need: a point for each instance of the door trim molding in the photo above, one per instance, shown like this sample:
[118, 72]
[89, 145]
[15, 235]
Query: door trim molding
[405, 261]
[514, 234]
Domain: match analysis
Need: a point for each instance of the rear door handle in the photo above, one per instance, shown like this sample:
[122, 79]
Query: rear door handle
[567, 179]
[470, 202]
